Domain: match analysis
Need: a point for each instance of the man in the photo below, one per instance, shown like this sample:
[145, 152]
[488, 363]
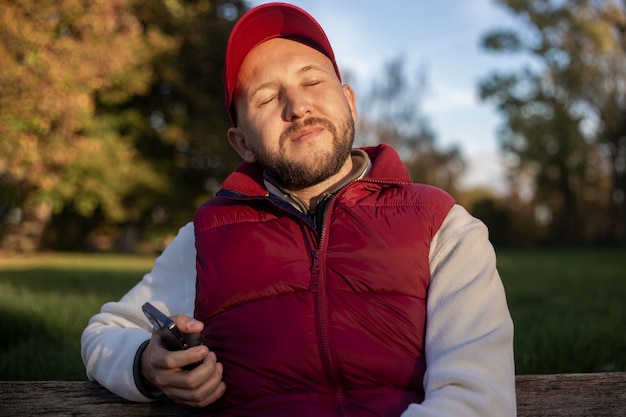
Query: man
[326, 283]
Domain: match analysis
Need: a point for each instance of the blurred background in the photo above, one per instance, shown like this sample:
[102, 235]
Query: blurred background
[112, 128]
[113, 132]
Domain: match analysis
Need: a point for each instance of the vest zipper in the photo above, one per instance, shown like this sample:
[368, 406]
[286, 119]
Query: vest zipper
[319, 286]
[319, 283]
[322, 312]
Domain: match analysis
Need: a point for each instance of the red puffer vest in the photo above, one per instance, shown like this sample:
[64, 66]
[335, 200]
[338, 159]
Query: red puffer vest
[310, 324]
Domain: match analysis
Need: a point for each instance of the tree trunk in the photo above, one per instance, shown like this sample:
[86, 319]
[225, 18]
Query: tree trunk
[25, 234]
[128, 240]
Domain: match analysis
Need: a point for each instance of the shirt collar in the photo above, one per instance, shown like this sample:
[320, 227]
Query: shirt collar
[360, 159]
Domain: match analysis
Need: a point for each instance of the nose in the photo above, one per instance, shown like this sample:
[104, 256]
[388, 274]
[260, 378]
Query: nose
[296, 104]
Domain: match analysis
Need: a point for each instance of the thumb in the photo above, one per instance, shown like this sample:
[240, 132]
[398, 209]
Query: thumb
[188, 324]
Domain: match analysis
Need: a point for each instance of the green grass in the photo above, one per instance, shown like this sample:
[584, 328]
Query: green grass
[568, 307]
[45, 303]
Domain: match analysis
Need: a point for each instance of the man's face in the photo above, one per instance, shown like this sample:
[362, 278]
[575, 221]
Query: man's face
[295, 119]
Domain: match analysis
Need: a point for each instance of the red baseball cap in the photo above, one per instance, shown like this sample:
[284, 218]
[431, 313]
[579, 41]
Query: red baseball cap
[265, 22]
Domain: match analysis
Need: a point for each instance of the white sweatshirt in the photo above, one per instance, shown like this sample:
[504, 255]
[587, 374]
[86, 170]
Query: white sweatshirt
[469, 331]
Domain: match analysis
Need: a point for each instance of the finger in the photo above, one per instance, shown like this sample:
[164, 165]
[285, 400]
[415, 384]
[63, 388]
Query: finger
[205, 370]
[209, 369]
[174, 360]
[169, 370]
[210, 389]
[214, 387]
[156, 363]
[188, 324]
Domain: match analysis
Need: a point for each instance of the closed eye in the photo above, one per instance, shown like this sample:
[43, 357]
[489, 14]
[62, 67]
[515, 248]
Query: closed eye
[266, 100]
[312, 83]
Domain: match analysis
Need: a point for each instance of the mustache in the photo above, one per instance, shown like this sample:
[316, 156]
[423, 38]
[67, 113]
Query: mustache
[311, 121]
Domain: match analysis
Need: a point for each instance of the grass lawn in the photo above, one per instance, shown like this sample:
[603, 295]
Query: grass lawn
[45, 303]
[568, 307]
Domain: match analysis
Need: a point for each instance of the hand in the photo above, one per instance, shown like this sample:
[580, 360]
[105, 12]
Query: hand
[161, 368]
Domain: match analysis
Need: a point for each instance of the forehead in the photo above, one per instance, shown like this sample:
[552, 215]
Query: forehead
[279, 54]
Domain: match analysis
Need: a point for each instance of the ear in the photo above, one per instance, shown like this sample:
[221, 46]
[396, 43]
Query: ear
[237, 140]
[348, 92]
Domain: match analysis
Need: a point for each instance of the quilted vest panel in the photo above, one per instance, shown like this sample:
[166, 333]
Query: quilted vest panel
[318, 325]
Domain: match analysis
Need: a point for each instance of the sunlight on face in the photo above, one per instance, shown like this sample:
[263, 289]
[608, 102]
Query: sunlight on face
[320, 165]
[296, 117]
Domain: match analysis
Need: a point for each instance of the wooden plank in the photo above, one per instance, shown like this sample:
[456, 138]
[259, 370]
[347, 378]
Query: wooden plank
[563, 395]
[572, 395]
[77, 398]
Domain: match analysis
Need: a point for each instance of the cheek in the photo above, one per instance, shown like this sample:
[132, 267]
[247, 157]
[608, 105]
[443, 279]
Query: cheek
[264, 138]
[336, 105]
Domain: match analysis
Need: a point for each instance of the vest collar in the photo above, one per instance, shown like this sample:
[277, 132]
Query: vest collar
[380, 164]
[360, 159]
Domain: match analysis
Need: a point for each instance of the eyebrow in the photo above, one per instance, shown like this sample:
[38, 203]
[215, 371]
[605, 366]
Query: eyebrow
[312, 67]
[303, 70]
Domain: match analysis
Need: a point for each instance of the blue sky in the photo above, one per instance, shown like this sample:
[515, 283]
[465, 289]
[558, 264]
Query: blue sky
[440, 36]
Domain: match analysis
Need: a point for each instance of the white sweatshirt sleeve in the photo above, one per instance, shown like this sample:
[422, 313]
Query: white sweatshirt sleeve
[469, 332]
[110, 341]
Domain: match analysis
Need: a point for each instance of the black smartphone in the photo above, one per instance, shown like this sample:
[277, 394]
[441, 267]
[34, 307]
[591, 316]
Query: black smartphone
[169, 332]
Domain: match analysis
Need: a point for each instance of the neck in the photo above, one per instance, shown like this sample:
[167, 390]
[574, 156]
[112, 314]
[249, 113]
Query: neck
[311, 195]
[307, 199]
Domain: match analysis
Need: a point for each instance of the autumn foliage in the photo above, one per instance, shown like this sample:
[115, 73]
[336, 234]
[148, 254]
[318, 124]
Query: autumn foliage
[70, 136]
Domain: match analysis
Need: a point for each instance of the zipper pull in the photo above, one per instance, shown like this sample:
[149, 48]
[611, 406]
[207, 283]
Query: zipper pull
[315, 269]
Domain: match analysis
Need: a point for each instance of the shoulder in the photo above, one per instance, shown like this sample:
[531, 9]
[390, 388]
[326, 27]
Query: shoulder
[423, 197]
[459, 228]
[185, 237]
[430, 196]
[181, 249]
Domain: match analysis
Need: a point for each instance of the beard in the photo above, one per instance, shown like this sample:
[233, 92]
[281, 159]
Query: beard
[321, 165]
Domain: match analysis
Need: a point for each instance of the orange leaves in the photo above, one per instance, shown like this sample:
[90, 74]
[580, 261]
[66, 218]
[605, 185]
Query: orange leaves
[57, 59]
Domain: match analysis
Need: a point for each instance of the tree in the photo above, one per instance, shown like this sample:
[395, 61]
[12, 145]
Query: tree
[391, 114]
[183, 120]
[555, 108]
[129, 127]
[58, 59]
[605, 23]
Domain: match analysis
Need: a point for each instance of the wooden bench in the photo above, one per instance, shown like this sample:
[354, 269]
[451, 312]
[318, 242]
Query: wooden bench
[571, 395]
